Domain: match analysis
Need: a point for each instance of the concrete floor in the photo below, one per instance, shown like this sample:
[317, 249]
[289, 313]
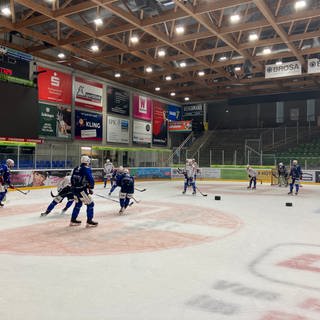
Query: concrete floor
[172, 257]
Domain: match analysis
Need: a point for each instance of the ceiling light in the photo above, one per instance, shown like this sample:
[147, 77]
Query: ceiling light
[117, 75]
[300, 4]
[161, 53]
[157, 88]
[94, 48]
[172, 94]
[279, 63]
[98, 21]
[266, 51]
[169, 3]
[134, 39]
[61, 55]
[253, 37]
[168, 78]
[149, 69]
[224, 58]
[201, 73]
[6, 11]
[182, 64]
[186, 98]
[179, 29]
[237, 68]
[235, 18]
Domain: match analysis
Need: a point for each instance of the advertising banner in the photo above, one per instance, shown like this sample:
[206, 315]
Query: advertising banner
[193, 110]
[117, 130]
[88, 94]
[118, 101]
[314, 65]
[173, 113]
[180, 126]
[54, 86]
[55, 121]
[142, 132]
[88, 125]
[205, 173]
[159, 124]
[14, 64]
[286, 69]
[151, 173]
[142, 107]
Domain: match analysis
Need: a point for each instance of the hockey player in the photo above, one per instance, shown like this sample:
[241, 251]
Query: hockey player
[107, 169]
[116, 179]
[189, 173]
[64, 191]
[196, 167]
[82, 184]
[5, 181]
[252, 174]
[127, 190]
[295, 175]
[282, 175]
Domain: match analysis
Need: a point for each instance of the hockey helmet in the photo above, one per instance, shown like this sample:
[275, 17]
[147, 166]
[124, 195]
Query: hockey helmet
[120, 169]
[126, 170]
[280, 164]
[10, 163]
[85, 159]
[294, 162]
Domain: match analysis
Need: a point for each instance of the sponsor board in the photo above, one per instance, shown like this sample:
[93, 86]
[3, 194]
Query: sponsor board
[118, 101]
[142, 132]
[173, 113]
[159, 124]
[210, 173]
[142, 107]
[88, 94]
[54, 86]
[151, 173]
[314, 65]
[193, 110]
[286, 69]
[88, 125]
[180, 126]
[117, 130]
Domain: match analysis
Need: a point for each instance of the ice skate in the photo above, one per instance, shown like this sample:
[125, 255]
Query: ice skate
[296, 193]
[109, 194]
[91, 223]
[194, 193]
[121, 211]
[1, 204]
[43, 214]
[290, 192]
[63, 211]
[75, 223]
[184, 191]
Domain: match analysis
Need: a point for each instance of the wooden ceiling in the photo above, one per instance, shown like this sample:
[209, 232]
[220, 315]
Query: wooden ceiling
[45, 28]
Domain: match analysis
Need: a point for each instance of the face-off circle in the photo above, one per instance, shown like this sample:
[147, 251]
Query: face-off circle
[147, 227]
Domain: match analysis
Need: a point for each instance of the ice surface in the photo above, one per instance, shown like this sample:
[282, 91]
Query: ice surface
[172, 257]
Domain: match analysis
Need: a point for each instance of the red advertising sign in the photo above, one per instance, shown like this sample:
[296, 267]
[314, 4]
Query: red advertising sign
[54, 86]
[180, 126]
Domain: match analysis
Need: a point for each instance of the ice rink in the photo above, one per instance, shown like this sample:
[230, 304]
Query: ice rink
[172, 257]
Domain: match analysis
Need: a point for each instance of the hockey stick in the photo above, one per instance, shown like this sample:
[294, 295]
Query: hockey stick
[99, 195]
[140, 190]
[135, 200]
[203, 194]
[23, 192]
[52, 195]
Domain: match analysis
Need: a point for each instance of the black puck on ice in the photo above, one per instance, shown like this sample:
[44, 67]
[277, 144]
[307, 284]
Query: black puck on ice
[288, 204]
[217, 197]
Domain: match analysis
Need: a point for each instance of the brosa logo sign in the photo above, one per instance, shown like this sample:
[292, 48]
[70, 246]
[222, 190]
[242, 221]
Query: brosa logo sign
[284, 70]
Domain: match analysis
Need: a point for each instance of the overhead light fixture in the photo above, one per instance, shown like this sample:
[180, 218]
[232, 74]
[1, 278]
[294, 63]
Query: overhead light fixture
[237, 68]
[253, 37]
[161, 53]
[157, 88]
[182, 64]
[201, 73]
[266, 51]
[300, 4]
[169, 3]
[186, 98]
[224, 58]
[61, 55]
[117, 75]
[94, 48]
[149, 69]
[172, 94]
[6, 11]
[179, 29]
[235, 18]
[134, 39]
[98, 21]
[168, 78]
[279, 63]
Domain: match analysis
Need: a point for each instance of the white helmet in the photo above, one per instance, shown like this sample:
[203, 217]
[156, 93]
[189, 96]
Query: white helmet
[126, 170]
[280, 164]
[248, 166]
[10, 163]
[108, 160]
[120, 169]
[85, 159]
[294, 162]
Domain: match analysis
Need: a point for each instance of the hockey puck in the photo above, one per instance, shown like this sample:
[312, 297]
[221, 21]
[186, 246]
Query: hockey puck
[217, 197]
[288, 204]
